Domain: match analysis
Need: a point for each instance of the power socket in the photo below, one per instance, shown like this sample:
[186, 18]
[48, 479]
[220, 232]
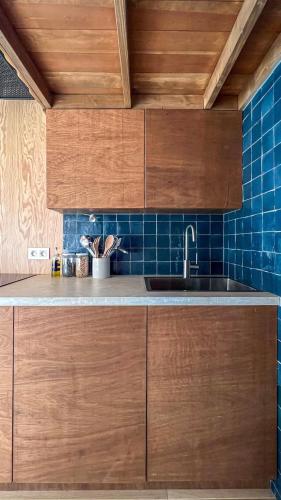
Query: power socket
[38, 253]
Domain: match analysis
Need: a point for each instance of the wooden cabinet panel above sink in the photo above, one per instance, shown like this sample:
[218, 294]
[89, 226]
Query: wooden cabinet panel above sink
[193, 159]
[95, 159]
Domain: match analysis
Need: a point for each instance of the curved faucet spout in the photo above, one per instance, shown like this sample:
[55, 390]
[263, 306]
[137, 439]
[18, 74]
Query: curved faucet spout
[186, 263]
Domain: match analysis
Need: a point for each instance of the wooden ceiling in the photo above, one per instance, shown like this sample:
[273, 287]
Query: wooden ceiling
[144, 53]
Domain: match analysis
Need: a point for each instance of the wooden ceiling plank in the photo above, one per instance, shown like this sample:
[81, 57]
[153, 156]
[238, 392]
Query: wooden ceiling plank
[71, 41]
[19, 58]
[88, 101]
[84, 83]
[121, 24]
[59, 15]
[164, 15]
[179, 41]
[170, 83]
[269, 61]
[168, 101]
[246, 19]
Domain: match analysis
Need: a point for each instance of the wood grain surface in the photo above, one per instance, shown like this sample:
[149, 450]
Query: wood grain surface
[6, 392]
[95, 159]
[24, 219]
[212, 393]
[193, 159]
[80, 395]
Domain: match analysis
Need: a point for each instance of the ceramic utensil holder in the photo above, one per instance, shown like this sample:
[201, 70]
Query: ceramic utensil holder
[101, 268]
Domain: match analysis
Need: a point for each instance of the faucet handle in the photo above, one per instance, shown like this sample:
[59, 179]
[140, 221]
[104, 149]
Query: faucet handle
[194, 266]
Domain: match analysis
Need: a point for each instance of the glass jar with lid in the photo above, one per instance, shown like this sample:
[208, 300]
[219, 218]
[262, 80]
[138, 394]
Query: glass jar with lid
[68, 264]
[82, 265]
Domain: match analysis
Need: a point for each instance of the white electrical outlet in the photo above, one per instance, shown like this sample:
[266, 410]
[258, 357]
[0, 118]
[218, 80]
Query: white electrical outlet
[38, 253]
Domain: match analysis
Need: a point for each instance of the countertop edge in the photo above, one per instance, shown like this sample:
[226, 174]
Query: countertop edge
[138, 301]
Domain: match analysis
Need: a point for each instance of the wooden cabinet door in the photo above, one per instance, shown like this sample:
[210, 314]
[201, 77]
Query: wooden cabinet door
[95, 159]
[6, 388]
[212, 395]
[80, 394]
[193, 159]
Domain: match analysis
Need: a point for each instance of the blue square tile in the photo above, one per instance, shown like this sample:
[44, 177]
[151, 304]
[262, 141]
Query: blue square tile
[136, 217]
[137, 268]
[256, 131]
[267, 102]
[123, 228]
[149, 217]
[163, 241]
[267, 121]
[277, 155]
[267, 141]
[269, 221]
[163, 254]
[149, 268]
[247, 173]
[149, 241]
[163, 228]
[109, 228]
[123, 217]
[176, 268]
[136, 227]
[177, 227]
[149, 227]
[256, 150]
[277, 133]
[268, 181]
[278, 198]
[203, 227]
[247, 157]
[149, 254]
[109, 217]
[268, 201]
[267, 161]
[163, 268]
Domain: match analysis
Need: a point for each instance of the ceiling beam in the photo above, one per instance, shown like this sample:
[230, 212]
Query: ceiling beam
[19, 58]
[246, 20]
[122, 35]
[271, 58]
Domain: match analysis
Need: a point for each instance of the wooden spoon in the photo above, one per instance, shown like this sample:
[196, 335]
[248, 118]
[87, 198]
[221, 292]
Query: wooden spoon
[109, 242]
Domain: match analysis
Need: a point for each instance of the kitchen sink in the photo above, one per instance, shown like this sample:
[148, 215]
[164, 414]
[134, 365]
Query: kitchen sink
[195, 284]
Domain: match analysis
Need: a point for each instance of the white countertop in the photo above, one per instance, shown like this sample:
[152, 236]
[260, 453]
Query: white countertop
[116, 291]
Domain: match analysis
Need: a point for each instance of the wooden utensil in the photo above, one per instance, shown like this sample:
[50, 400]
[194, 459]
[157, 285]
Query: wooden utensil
[109, 242]
[96, 246]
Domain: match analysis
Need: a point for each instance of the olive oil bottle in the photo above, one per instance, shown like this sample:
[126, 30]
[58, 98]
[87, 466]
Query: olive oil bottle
[56, 264]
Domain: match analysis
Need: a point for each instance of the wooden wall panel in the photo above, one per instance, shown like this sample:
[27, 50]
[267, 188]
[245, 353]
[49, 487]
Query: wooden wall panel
[24, 218]
[6, 375]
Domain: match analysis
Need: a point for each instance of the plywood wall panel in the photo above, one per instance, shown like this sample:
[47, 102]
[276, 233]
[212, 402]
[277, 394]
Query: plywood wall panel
[24, 218]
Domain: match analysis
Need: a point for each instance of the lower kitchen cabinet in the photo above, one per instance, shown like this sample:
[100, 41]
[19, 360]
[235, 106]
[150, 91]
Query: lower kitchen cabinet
[6, 386]
[80, 395]
[211, 394]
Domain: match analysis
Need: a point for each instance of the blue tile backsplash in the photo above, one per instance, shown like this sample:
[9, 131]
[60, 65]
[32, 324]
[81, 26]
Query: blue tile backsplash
[252, 235]
[154, 241]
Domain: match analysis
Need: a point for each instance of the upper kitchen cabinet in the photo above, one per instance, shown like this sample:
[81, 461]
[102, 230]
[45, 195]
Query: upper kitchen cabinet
[193, 159]
[95, 159]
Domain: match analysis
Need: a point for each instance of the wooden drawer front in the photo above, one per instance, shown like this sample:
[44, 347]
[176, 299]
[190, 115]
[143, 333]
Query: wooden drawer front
[212, 394]
[193, 159]
[80, 395]
[6, 375]
[95, 159]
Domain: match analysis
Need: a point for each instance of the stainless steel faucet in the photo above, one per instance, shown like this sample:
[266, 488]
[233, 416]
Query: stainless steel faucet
[187, 266]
